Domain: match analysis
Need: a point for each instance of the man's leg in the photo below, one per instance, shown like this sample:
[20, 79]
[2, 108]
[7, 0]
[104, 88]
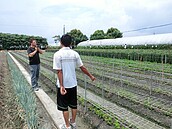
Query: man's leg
[66, 118]
[73, 106]
[37, 74]
[33, 75]
[74, 112]
[62, 106]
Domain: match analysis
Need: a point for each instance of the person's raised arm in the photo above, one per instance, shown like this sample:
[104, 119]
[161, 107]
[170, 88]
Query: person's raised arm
[40, 51]
[33, 53]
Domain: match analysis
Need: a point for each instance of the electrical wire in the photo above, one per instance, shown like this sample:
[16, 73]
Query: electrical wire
[145, 28]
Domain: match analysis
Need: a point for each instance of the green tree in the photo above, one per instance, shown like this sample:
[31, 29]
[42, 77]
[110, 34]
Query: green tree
[77, 37]
[98, 34]
[113, 33]
[15, 41]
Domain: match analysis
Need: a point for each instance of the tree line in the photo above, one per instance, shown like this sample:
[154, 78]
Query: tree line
[78, 36]
[19, 42]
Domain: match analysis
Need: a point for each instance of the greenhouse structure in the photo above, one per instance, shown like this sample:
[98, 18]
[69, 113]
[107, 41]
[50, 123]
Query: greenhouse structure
[138, 40]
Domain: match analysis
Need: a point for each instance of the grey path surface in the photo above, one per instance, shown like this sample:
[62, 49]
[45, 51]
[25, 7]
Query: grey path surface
[123, 113]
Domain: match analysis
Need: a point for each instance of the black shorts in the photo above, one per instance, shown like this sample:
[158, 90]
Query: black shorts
[67, 100]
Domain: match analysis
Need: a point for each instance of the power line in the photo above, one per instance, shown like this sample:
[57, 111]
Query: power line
[145, 28]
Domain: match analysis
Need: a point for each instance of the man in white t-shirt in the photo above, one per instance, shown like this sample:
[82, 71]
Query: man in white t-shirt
[65, 61]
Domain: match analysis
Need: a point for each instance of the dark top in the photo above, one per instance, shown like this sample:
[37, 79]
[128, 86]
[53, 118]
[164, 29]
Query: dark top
[35, 59]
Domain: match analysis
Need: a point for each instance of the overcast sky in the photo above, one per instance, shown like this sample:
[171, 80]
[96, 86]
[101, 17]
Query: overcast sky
[46, 18]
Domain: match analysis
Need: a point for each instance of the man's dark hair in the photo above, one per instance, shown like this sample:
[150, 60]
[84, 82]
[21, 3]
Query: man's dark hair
[31, 40]
[66, 40]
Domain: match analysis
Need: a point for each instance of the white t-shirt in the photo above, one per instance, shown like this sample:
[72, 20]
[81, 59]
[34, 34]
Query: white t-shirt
[67, 60]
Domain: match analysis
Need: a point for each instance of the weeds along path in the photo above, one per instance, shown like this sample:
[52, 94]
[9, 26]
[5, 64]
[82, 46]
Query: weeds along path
[48, 65]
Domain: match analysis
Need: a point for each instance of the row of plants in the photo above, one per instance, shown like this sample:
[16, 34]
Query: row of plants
[25, 96]
[132, 65]
[9, 107]
[148, 55]
[122, 71]
[159, 56]
[132, 84]
[102, 113]
[133, 94]
[145, 46]
[129, 101]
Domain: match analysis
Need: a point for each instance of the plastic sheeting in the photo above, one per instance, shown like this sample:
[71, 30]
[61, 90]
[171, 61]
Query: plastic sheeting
[139, 40]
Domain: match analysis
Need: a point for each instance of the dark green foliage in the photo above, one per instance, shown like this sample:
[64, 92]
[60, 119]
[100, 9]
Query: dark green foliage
[77, 37]
[19, 42]
[111, 33]
[150, 55]
[98, 34]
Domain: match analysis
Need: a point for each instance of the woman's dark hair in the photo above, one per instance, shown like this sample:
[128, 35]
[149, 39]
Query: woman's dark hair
[66, 40]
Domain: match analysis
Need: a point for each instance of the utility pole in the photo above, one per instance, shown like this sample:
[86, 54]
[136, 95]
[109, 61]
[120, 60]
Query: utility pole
[63, 29]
